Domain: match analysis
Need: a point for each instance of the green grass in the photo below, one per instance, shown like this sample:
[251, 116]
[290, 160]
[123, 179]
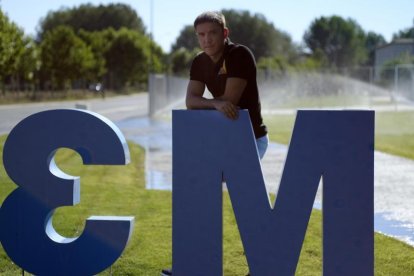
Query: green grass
[394, 131]
[315, 101]
[20, 97]
[119, 190]
[112, 190]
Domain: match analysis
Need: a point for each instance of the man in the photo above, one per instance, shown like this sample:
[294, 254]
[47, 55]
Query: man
[229, 72]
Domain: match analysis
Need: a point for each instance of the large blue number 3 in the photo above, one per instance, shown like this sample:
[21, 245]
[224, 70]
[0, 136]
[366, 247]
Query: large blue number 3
[26, 230]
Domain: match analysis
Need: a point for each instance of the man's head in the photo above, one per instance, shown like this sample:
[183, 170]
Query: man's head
[212, 33]
[211, 17]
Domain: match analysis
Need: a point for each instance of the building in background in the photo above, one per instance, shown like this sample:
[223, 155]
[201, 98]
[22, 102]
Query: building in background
[392, 51]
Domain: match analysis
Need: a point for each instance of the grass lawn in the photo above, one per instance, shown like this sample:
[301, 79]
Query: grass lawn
[120, 190]
[394, 131]
[316, 101]
[13, 97]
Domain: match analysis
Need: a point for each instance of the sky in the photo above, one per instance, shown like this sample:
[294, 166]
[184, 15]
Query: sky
[166, 18]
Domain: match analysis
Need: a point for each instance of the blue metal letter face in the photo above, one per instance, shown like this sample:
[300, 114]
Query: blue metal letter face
[26, 231]
[335, 145]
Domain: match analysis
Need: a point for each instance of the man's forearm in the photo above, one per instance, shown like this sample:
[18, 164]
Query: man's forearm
[199, 102]
[226, 107]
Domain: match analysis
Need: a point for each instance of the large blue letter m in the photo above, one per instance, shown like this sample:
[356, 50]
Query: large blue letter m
[335, 145]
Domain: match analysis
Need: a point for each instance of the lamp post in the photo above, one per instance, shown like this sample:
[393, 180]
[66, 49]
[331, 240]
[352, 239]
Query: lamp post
[151, 61]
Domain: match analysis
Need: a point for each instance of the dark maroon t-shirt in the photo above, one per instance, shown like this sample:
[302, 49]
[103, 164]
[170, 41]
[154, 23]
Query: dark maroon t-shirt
[238, 62]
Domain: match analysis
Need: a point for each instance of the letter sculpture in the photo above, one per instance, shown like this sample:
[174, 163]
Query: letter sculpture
[335, 145]
[26, 230]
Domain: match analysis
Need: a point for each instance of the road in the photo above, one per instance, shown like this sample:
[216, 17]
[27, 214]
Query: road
[114, 108]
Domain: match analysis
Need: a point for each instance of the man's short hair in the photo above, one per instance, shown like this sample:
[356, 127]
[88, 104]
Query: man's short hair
[211, 16]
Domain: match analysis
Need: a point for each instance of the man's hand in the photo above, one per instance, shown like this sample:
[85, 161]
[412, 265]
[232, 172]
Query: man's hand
[226, 104]
[230, 110]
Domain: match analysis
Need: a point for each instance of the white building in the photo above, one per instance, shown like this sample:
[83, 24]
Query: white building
[392, 51]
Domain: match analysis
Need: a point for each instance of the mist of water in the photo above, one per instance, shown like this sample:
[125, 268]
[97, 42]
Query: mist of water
[282, 93]
[319, 90]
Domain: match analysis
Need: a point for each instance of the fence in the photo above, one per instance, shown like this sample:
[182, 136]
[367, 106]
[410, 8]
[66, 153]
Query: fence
[399, 79]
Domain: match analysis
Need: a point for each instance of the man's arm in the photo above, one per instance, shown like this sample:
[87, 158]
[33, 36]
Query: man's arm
[194, 98]
[234, 90]
[227, 103]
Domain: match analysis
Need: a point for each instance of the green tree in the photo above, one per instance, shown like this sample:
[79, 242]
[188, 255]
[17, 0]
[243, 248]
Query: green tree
[157, 57]
[181, 60]
[29, 62]
[406, 33]
[93, 18]
[99, 44]
[252, 30]
[342, 42]
[65, 57]
[278, 63]
[122, 53]
[187, 39]
[12, 48]
[128, 58]
[123, 57]
[261, 36]
[372, 41]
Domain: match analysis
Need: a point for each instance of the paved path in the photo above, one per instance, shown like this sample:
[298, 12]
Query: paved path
[114, 108]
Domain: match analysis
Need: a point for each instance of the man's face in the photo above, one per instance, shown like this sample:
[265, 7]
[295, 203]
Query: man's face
[211, 38]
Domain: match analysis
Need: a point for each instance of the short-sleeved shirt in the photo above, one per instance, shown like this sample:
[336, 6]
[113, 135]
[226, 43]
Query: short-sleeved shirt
[237, 61]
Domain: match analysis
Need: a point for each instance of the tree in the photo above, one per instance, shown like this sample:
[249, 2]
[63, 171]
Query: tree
[372, 41]
[341, 41]
[187, 39]
[65, 57]
[29, 62]
[128, 58]
[181, 60]
[93, 18]
[122, 53]
[158, 59]
[278, 63]
[12, 48]
[406, 33]
[123, 57]
[252, 30]
[99, 43]
[261, 36]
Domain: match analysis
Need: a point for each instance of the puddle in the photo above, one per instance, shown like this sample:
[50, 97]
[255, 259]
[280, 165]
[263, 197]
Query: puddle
[403, 231]
[400, 230]
[155, 137]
